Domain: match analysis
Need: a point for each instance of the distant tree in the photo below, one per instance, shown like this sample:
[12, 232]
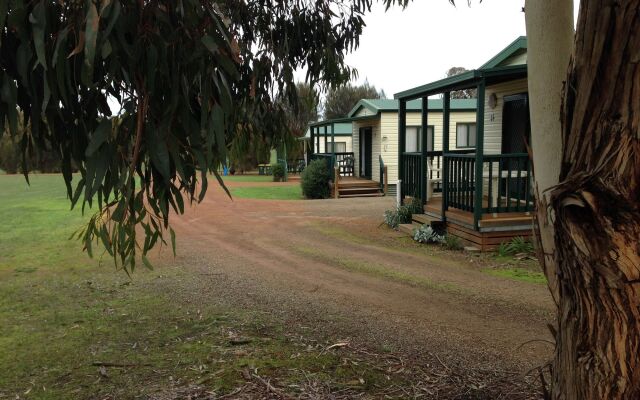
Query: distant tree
[302, 110]
[299, 112]
[461, 94]
[341, 100]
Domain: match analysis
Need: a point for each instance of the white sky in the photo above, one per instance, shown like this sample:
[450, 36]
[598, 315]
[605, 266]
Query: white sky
[400, 49]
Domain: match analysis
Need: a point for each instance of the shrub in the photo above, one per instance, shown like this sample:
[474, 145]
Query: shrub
[401, 215]
[404, 214]
[517, 245]
[391, 219]
[278, 172]
[315, 180]
[416, 205]
[10, 159]
[451, 242]
[426, 234]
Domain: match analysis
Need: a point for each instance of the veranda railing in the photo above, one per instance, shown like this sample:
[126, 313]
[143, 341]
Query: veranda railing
[506, 183]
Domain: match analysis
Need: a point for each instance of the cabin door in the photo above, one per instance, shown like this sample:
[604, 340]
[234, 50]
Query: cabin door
[516, 136]
[365, 152]
[516, 130]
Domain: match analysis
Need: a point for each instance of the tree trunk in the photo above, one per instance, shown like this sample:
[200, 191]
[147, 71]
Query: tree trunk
[550, 38]
[595, 210]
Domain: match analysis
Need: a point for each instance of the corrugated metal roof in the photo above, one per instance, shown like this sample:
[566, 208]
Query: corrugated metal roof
[384, 105]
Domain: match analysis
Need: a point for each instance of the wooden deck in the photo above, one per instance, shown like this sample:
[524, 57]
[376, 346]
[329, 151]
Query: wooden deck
[493, 228]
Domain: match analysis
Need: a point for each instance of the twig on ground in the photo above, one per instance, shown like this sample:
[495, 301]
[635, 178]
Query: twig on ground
[235, 392]
[270, 387]
[118, 365]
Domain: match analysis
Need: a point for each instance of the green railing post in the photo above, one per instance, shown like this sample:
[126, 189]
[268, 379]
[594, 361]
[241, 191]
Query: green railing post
[333, 140]
[477, 207]
[325, 139]
[402, 133]
[423, 150]
[312, 143]
[446, 103]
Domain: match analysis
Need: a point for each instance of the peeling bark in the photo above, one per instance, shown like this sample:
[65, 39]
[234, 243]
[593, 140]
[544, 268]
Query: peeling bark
[596, 209]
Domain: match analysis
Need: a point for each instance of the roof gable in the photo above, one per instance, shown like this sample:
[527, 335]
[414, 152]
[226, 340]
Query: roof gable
[510, 55]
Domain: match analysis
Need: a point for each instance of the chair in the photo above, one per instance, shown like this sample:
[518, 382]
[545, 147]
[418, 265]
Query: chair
[347, 166]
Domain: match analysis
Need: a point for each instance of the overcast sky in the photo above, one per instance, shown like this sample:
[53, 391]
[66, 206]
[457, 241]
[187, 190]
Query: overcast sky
[403, 49]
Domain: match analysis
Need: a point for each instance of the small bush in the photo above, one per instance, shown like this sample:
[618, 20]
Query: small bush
[315, 180]
[416, 205]
[404, 214]
[451, 242]
[391, 219]
[517, 245]
[426, 234]
[278, 172]
[401, 215]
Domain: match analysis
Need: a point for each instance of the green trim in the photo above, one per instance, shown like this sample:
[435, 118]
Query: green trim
[468, 137]
[516, 46]
[465, 80]
[452, 82]
[423, 149]
[446, 98]
[477, 206]
[402, 133]
[377, 106]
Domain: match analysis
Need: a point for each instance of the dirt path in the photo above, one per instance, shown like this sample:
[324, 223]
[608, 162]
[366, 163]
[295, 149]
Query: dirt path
[328, 266]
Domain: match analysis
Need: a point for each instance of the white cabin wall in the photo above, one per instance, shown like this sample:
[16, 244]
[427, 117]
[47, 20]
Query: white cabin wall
[493, 117]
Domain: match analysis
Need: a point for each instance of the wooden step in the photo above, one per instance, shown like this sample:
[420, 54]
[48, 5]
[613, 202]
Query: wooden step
[357, 190]
[425, 219]
[407, 228]
[358, 185]
[378, 194]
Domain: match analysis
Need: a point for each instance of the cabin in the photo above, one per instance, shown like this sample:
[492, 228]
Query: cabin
[370, 168]
[375, 132]
[481, 189]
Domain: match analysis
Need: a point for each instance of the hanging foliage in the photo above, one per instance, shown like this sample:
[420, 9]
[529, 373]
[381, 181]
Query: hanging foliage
[143, 96]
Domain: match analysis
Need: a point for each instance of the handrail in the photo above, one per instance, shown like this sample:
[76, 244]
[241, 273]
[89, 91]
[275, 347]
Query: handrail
[454, 155]
[384, 177]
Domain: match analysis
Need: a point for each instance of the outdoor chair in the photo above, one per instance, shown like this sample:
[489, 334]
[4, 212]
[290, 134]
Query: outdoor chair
[347, 166]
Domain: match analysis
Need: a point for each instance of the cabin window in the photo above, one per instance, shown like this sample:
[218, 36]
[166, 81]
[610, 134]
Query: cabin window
[413, 143]
[466, 135]
[341, 147]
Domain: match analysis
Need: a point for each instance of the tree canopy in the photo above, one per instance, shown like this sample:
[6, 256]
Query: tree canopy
[340, 100]
[465, 93]
[188, 76]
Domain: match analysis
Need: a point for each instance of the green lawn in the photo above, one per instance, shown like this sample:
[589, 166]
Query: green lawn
[62, 314]
[248, 178]
[288, 192]
[518, 274]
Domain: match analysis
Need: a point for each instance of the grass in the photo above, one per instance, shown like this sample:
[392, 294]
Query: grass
[339, 233]
[62, 313]
[377, 270]
[288, 192]
[248, 178]
[518, 274]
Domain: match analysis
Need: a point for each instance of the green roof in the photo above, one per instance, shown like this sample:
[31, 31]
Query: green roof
[339, 128]
[518, 46]
[376, 106]
[490, 72]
